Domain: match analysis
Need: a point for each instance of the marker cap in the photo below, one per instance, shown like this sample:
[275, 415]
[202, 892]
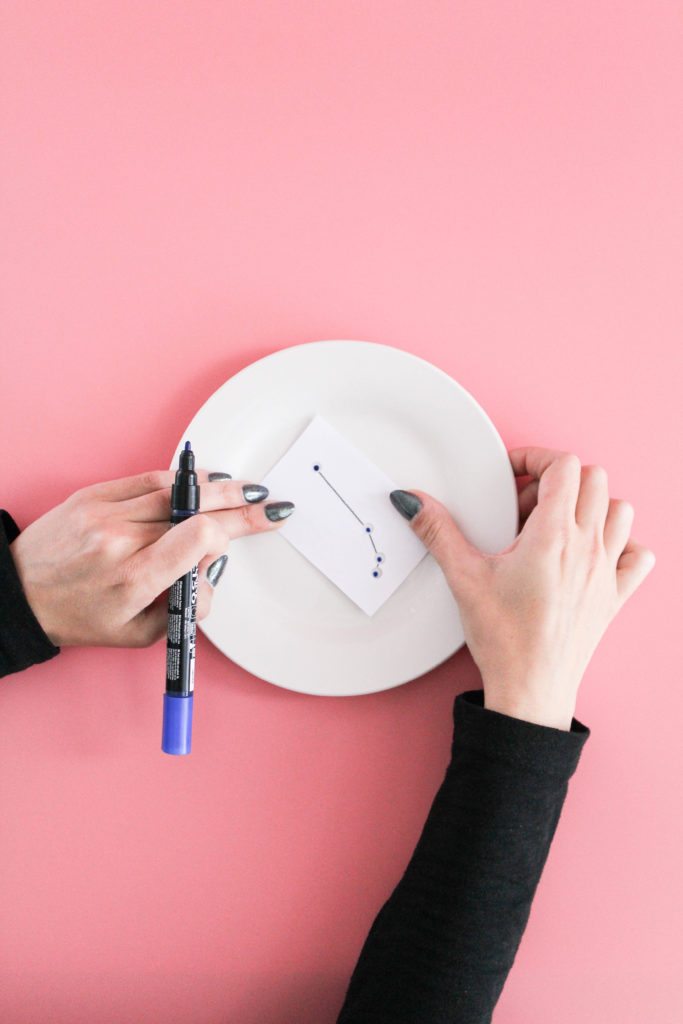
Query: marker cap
[176, 732]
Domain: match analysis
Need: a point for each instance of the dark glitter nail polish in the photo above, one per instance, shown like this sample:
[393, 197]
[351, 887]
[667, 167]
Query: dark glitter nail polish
[215, 570]
[407, 504]
[278, 510]
[254, 492]
[218, 476]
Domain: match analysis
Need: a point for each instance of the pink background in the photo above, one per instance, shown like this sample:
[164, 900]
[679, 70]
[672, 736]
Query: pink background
[188, 187]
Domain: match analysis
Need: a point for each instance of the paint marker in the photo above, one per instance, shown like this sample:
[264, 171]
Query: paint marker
[176, 732]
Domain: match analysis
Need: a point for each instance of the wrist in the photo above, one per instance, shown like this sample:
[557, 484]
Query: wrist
[31, 596]
[539, 710]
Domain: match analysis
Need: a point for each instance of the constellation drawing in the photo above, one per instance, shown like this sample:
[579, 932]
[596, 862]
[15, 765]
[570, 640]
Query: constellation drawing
[380, 558]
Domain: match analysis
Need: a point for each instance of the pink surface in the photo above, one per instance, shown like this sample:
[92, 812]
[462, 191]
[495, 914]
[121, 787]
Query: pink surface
[191, 186]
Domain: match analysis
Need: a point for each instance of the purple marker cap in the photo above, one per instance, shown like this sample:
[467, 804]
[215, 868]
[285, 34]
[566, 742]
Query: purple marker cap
[176, 732]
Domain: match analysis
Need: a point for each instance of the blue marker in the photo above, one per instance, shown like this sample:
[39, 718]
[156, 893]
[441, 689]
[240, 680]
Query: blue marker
[176, 733]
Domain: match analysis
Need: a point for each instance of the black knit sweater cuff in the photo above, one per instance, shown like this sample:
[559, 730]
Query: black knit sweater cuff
[541, 749]
[23, 642]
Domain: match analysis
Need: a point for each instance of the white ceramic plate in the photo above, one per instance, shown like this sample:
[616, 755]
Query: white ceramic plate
[273, 612]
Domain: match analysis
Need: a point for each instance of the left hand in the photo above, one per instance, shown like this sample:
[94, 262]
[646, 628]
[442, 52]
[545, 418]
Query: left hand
[96, 569]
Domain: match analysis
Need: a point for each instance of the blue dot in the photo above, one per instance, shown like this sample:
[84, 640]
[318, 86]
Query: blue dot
[316, 468]
[367, 529]
[379, 558]
[375, 573]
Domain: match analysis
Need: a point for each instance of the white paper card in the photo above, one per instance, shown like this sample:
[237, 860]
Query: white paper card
[344, 522]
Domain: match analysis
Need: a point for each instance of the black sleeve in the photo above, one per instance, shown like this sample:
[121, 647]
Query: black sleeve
[442, 946]
[23, 641]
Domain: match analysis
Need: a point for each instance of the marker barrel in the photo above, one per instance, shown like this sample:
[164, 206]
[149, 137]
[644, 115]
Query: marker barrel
[181, 637]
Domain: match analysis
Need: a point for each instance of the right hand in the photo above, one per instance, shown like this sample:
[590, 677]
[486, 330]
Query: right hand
[534, 613]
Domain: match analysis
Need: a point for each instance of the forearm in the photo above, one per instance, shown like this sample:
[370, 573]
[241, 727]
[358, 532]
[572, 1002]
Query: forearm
[443, 944]
[22, 640]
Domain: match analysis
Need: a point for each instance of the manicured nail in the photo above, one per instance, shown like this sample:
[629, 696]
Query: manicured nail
[254, 492]
[407, 504]
[219, 476]
[215, 570]
[278, 510]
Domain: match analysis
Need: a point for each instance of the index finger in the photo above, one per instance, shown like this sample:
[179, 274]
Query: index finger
[136, 486]
[559, 476]
[533, 461]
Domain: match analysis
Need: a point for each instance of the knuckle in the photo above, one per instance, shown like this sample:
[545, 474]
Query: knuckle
[153, 480]
[569, 462]
[131, 575]
[597, 474]
[98, 539]
[625, 508]
[430, 530]
[104, 541]
[106, 538]
[246, 517]
[644, 554]
[80, 512]
[128, 573]
[226, 492]
[76, 498]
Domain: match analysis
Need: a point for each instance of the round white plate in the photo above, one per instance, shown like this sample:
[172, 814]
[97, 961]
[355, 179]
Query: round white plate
[273, 612]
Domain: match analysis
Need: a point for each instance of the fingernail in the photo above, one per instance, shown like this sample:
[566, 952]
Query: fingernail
[255, 492]
[407, 504]
[219, 476]
[278, 510]
[215, 570]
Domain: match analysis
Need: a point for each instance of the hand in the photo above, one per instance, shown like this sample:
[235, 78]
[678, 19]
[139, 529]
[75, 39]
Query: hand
[95, 569]
[534, 613]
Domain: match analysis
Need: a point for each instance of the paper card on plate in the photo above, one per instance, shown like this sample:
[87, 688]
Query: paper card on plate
[344, 522]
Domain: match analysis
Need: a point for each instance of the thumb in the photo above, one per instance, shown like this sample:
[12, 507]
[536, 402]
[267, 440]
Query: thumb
[438, 531]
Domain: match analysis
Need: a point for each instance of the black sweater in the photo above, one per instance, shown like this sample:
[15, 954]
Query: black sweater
[442, 946]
